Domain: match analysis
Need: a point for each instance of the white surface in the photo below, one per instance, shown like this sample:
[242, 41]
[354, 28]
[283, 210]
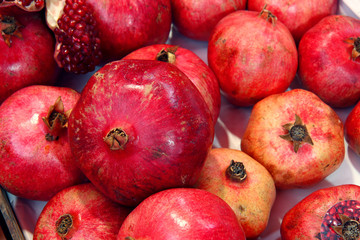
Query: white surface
[229, 129]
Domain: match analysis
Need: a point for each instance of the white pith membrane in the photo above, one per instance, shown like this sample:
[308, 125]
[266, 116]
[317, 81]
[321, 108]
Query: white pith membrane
[31, 7]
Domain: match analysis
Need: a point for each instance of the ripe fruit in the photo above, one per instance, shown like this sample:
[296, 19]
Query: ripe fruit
[196, 19]
[88, 30]
[27, 5]
[322, 212]
[26, 51]
[252, 55]
[80, 212]
[352, 129]
[241, 182]
[296, 136]
[182, 213]
[140, 126]
[190, 64]
[329, 62]
[34, 147]
[298, 16]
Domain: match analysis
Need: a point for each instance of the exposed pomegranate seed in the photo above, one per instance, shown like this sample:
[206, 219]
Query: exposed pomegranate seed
[38, 3]
[80, 44]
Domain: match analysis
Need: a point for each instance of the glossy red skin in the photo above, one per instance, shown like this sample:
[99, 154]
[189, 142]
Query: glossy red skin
[297, 15]
[29, 60]
[312, 163]
[251, 199]
[352, 129]
[194, 68]
[251, 57]
[196, 19]
[94, 215]
[182, 213]
[304, 220]
[168, 123]
[325, 64]
[128, 25]
[33, 167]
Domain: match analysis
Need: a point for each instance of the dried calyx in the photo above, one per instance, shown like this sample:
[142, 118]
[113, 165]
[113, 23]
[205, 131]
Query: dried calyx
[116, 139]
[356, 49]
[77, 47]
[266, 14]
[64, 224]
[9, 27]
[27, 5]
[297, 133]
[167, 55]
[56, 120]
[236, 171]
[349, 228]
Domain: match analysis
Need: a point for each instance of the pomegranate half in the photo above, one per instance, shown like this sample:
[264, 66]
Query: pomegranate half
[140, 126]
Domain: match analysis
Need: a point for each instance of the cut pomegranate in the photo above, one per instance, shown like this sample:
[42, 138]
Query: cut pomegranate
[77, 42]
[27, 5]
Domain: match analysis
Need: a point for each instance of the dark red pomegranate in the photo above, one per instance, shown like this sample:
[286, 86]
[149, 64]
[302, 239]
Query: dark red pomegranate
[140, 126]
[252, 55]
[26, 51]
[80, 212]
[87, 30]
[329, 62]
[196, 19]
[35, 155]
[297, 15]
[182, 213]
[331, 213]
[352, 129]
[193, 67]
[27, 5]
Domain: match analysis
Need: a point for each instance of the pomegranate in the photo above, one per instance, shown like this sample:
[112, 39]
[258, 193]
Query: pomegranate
[182, 213]
[352, 129]
[27, 5]
[34, 147]
[196, 19]
[90, 30]
[332, 72]
[252, 55]
[243, 183]
[193, 67]
[331, 213]
[80, 212]
[299, 15]
[296, 136]
[26, 51]
[139, 127]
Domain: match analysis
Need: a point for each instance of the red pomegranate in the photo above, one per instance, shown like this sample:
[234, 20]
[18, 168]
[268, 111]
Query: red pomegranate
[297, 15]
[352, 129]
[330, 68]
[196, 19]
[80, 212]
[89, 30]
[252, 55]
[139, 127]
[243, 183]
[27, 5]
[193, 67]
[26, 51]
[34, 146]
[182, 213]
[296, 136]
[331, 213]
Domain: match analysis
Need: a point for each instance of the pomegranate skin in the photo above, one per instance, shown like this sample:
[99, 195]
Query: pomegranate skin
[326, 67]
[304, 220]
[128, 25]
[250, 199]
[251, 57]
[193, 67]
[311, 163]
[352, 129]
[298, 15]
[167, 127]
[196, 19]
[93, 215]
[182, 213]
[24, 149]
[29, 60]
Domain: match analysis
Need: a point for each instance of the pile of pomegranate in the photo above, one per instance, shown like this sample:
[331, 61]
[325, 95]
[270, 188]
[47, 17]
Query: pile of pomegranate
[181, 119]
